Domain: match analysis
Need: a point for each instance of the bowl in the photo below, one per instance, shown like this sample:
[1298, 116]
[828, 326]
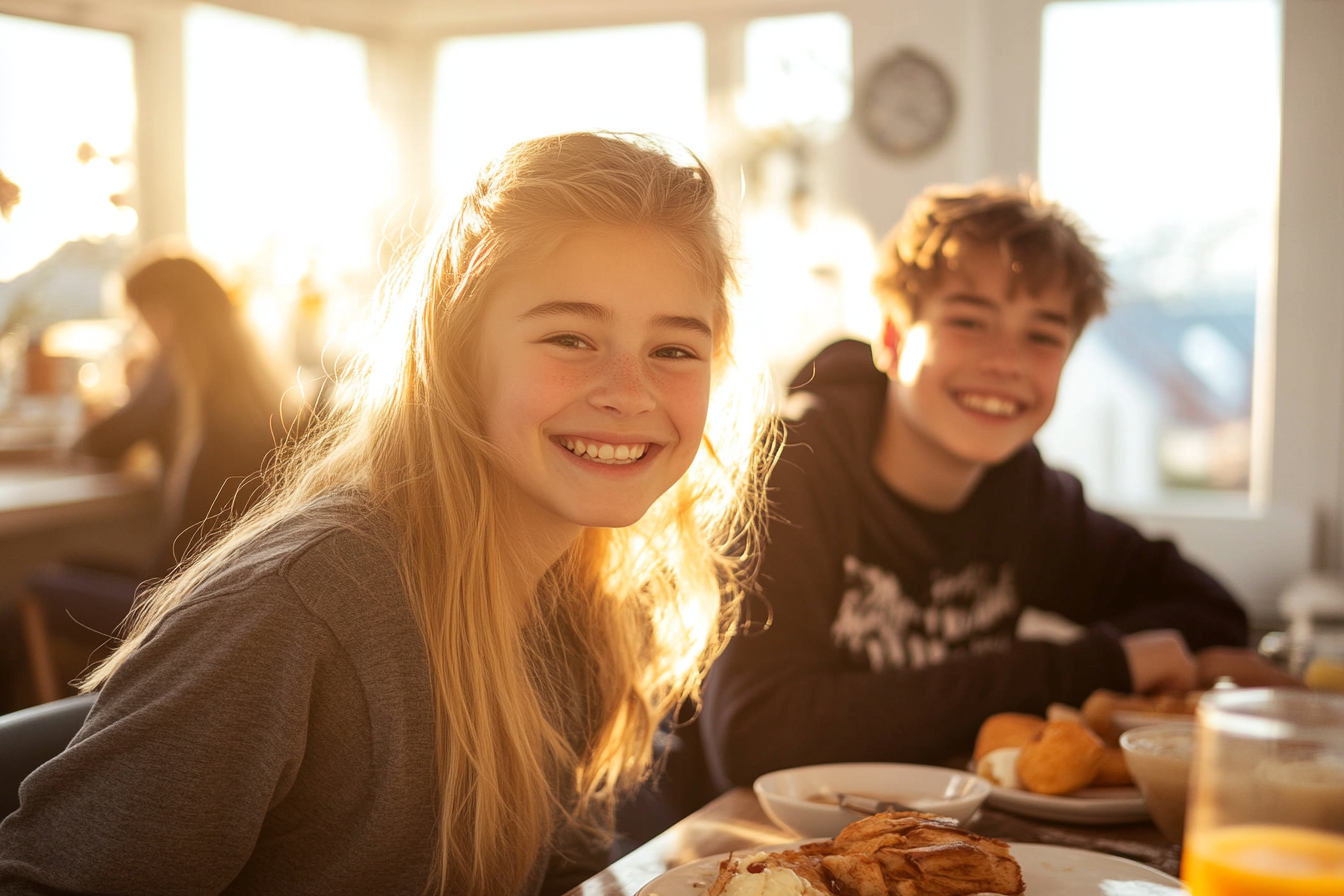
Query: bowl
[804, 799]
[1158, 759]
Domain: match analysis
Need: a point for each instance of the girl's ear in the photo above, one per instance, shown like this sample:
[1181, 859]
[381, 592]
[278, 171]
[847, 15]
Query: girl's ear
[889, 346]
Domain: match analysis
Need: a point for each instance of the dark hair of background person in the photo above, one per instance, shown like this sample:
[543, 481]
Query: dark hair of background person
[211, 403]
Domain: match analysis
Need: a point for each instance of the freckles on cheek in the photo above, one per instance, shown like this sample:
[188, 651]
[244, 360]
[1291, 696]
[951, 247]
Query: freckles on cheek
[688, 406]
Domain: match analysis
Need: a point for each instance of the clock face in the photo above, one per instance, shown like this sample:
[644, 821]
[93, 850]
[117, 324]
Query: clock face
[907, 104]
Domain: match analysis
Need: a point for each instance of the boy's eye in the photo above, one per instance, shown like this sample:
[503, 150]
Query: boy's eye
[1054, 340]
[966, 323]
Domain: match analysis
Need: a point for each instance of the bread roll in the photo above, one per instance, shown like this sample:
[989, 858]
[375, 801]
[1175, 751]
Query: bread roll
[1062, 711]
[1096, 711]
[1063, 758]
[1006, 729]
[1112, 772]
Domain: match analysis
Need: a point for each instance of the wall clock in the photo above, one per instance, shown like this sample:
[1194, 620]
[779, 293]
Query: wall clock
[907, 104]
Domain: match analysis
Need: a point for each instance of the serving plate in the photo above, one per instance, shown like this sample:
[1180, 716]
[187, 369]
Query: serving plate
[1092, 805]
[1046, 871]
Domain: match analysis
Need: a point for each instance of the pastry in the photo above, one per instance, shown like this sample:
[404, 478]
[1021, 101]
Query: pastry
[888, 854]
[1006, 729]
[1063, 758]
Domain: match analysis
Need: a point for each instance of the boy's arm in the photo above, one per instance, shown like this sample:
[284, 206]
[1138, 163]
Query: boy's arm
[1096, 569]
[787, 697]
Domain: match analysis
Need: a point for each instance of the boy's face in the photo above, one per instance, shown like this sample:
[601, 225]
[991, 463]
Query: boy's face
[975, 375]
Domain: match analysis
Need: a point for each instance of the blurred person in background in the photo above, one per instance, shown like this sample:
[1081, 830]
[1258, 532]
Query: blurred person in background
[209, 404]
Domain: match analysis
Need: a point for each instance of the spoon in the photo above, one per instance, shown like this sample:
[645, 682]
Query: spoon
[866, 805]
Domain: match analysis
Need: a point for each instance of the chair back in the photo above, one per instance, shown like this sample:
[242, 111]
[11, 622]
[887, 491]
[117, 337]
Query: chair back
[29, 737]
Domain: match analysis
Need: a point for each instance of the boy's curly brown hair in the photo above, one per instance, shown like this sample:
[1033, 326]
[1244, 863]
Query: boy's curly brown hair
[1038, 240]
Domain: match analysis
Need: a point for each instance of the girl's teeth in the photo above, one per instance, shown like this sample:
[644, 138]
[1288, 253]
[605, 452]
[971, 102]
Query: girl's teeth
[610, 454]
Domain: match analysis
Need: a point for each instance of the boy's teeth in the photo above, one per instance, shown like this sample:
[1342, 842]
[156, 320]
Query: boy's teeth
[605, 453]
[988, 404]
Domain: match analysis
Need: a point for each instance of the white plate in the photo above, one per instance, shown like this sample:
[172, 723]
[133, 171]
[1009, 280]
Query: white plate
[1093, 805]
[1046, 870]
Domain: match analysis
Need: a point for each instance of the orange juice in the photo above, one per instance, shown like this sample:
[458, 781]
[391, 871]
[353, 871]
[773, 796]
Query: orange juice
[1263, 860]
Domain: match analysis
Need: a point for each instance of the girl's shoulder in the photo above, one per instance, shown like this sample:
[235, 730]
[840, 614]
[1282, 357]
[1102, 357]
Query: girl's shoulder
[329, 554]
[330, 523]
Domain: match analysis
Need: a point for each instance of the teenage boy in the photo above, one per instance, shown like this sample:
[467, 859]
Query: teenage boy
[914, 520]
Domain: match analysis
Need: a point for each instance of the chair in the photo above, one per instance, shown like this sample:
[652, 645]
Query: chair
[29, 737]
[92, 599]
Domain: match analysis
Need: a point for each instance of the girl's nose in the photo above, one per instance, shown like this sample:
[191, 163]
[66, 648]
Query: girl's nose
[624, 387]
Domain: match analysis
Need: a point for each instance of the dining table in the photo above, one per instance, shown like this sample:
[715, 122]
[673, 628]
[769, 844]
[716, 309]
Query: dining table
[736, 822]
[56, 507]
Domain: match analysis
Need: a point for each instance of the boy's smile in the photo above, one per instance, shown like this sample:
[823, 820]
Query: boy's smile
[595, 373]
[972, 380]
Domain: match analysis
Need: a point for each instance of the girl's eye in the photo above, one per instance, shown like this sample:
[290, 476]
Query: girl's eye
[567, 340]
[675, 352]
[966, 323]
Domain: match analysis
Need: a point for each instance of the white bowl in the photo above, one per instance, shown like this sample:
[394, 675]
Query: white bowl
[794, 797]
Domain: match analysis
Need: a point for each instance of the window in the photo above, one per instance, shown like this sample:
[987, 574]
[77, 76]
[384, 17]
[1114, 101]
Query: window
[798, 74]
[287, 170]
[67, 136]
[492, 91]
[67, 128]
[1159, 128]
[808, 263]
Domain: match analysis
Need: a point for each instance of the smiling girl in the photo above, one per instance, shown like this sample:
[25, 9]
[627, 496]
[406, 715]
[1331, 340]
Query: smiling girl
[435, 656]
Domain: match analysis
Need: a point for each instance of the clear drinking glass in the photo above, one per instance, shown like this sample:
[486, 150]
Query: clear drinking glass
[1266, 811]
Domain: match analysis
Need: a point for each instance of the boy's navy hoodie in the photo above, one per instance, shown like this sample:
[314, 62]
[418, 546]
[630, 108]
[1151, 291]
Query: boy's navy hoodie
[891, 629]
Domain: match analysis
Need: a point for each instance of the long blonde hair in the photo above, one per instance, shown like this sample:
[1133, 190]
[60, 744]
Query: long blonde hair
[648, 606]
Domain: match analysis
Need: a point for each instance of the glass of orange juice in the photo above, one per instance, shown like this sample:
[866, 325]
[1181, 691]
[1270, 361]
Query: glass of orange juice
[1266, 810]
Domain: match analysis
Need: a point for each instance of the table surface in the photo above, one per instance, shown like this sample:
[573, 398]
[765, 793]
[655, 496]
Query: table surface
[735, 822]
[46, 493]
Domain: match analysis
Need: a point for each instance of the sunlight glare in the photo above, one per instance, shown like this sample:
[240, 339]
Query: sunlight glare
[798, 72]
[492, 91]
[913, 352]
[289, 169]
[60, 87]
[1203, 158]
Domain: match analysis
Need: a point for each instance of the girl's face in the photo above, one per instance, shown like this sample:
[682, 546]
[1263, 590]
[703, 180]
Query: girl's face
[595, 374]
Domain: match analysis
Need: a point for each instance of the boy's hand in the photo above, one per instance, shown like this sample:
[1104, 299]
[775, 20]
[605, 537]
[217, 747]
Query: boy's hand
[1160, 662]
[1244, 666]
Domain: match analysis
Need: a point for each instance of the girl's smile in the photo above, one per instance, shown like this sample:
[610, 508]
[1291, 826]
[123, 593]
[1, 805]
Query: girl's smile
[604, 452]
[595, 378]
